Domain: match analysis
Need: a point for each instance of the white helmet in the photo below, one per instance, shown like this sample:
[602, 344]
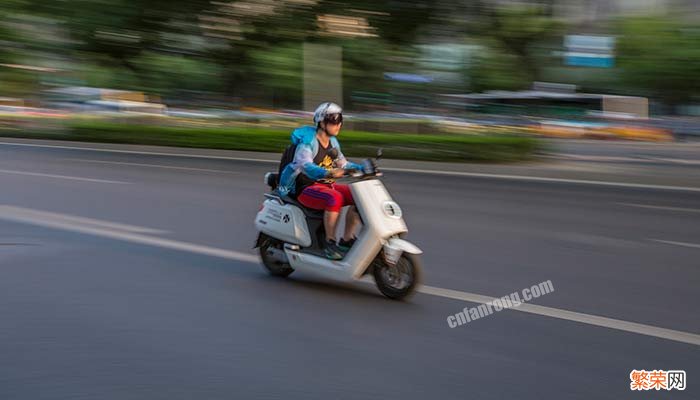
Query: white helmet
[325, 109]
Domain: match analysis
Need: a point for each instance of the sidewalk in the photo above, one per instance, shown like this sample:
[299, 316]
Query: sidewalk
[550, 168]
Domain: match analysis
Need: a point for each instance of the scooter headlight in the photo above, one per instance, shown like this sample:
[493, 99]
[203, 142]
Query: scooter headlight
[391, 209]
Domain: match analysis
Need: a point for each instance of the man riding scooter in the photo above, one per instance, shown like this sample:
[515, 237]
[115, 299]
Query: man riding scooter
[310, 177]
[290, 237]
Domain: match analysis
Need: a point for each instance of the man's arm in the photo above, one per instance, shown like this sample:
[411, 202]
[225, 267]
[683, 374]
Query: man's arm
[302, 163]
[342, 162]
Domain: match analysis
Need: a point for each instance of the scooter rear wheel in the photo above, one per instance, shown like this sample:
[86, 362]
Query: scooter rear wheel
[400, 280]
[273, 266]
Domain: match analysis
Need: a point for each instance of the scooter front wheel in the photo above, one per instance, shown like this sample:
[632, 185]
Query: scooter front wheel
[400, 280]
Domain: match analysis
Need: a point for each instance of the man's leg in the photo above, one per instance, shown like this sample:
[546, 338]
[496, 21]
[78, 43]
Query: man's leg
[352, 218]
[330, 222]
[324, 197]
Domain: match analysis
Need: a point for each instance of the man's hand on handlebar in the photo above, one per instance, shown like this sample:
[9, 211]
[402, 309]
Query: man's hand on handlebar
[336, 173]
[369, 168]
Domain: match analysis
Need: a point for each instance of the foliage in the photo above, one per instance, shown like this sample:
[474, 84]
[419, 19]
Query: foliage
[510, 37]
[355, 143]
[495, 69]
[661, 57]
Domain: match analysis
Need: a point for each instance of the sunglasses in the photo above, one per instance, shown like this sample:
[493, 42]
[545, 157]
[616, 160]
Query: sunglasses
[333, 119]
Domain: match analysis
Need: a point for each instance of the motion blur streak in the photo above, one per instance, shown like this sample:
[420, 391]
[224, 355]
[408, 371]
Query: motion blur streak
[99, 228]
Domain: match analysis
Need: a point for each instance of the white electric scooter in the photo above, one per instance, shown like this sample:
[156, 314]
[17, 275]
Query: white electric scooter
[291, 237]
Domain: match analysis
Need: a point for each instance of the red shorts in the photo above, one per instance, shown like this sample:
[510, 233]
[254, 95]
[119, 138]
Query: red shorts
[324, 196]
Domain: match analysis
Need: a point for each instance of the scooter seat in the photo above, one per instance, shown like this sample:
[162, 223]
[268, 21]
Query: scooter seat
[309, 212]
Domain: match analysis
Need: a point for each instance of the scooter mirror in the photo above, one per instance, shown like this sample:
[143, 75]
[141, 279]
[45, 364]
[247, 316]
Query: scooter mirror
[379, 153]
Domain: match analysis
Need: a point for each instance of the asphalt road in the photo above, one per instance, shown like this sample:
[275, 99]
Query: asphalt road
[687, 153]
[150, 294]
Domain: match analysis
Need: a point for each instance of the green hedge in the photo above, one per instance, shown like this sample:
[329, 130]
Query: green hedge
[438, 147]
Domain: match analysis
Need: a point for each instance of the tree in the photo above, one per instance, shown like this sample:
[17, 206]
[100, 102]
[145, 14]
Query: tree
[660, 57]
[494, 68]
[280, 70]
[115, 32]
[510, 35]
[14, 81]
[10, 40]
[397, 22]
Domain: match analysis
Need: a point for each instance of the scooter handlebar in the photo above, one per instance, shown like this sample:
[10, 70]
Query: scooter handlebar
[369, 169]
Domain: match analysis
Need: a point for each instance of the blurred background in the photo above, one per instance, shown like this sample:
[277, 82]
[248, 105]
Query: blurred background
[562, 68]
[128, 271]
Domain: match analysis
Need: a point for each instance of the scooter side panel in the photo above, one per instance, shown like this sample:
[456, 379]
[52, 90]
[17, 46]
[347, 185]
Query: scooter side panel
[379, 211]
[284, 222]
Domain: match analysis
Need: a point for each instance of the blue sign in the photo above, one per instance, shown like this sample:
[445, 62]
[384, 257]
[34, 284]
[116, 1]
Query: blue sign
[589, 51]
[589, 60]
[412, 78]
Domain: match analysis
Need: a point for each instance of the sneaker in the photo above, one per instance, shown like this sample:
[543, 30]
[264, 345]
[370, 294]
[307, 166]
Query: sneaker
[332, 251]
[345, 246]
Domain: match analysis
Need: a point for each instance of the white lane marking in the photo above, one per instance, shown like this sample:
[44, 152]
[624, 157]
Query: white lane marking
[676, 160]
[683, 209]
[635, 159]
[32, 217]
[545, 179]
[220, 171]
[582, 157]
[68, 223]
[30, 214]
[418, 171]
[605, 322]
[683, 244]
[73, 178]
[150, 153]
